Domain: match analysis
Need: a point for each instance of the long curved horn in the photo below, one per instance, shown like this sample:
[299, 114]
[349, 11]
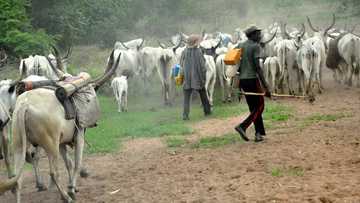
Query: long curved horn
[332, 25]
[178, 45]
[109, 71]
[287, 35]
[161, 45]
[266, 42]
[310, 24]
[203, 34]
[68, 53]
[140, 45]
[22, 74]
[59, 63]
[218, 44]
[302, 30]
[124, 45]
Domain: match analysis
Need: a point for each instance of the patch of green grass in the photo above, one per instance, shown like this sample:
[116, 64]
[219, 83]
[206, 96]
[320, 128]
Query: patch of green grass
[175, 141]
[325, 117]
[287, 171]
[276, 172]
[315, 118]
[214, 142]
[148, 117]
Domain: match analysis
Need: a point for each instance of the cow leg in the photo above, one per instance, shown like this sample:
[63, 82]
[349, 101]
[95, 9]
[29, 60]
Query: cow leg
[67, 161]
[211, 91]
[124, 99]
[35, 163]
[351, 73]
[5, 149]
[79, 147]
[357, 75]
[53, 155]
[221, 82]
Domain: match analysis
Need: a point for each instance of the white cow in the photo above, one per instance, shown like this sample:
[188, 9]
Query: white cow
[130, 60]
[309, 60]
[320, 39]
[120, 89]
[273, 73]
[161, 59]
[289, 71]
[7, 104]
[46, 65]
[224, 73]
[349, 50]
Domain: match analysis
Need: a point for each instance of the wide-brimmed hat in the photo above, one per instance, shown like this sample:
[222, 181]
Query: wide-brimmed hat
[193, 41]
[251, 29]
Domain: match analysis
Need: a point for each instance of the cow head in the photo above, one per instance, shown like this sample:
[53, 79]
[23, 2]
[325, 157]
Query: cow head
[209, 46]
[7, 101]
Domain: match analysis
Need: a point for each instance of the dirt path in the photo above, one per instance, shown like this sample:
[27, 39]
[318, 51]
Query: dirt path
[299, 162]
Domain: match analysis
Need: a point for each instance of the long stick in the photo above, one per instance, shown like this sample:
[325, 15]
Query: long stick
[273, 95]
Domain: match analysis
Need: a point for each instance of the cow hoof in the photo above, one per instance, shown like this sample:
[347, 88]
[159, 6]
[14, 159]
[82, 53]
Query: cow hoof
[72, 195]
[41, 187]
[68, 200]
[84, 173]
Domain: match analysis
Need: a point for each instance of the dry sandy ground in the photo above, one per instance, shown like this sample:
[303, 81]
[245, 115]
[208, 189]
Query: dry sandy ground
[326, 154]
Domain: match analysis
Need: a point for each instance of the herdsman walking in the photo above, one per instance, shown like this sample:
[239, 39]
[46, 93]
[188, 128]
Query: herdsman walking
[252, 80]
[193, 70]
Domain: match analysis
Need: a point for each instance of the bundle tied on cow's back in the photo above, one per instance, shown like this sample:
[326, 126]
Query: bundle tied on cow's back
[333, 57]
[83, 96]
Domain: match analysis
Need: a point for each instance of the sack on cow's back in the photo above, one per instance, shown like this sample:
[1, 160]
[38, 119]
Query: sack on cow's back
[87, 106]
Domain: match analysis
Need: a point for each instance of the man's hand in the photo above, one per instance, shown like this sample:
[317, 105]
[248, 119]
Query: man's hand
[268, 94]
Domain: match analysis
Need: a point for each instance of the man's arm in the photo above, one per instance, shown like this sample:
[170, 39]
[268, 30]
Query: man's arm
[259, 71]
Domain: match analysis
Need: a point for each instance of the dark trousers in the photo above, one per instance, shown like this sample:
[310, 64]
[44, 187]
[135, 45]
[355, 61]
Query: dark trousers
[255, 103]
[204, 101]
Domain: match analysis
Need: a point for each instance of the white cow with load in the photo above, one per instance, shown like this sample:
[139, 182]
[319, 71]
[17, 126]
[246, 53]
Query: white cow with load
[49, 130]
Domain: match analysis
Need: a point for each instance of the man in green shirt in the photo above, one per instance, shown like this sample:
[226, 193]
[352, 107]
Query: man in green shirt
[252, 80]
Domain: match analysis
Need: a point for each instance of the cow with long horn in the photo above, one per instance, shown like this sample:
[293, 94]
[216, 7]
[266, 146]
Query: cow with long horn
[49, 130]
[52, 66]
[318, 41]
[160, 59]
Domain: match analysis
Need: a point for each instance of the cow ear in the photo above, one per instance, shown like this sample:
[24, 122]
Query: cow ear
[11, 89]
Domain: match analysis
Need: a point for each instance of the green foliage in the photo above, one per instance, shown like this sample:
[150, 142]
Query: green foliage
[16, 34]
[316, 118]
[214, 142]
[287, 171]
[175, 141]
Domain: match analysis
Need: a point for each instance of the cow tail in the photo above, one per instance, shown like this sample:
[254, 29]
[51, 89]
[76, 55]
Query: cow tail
[19, 135]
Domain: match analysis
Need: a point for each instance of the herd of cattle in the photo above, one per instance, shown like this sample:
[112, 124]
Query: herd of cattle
[293, 63]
